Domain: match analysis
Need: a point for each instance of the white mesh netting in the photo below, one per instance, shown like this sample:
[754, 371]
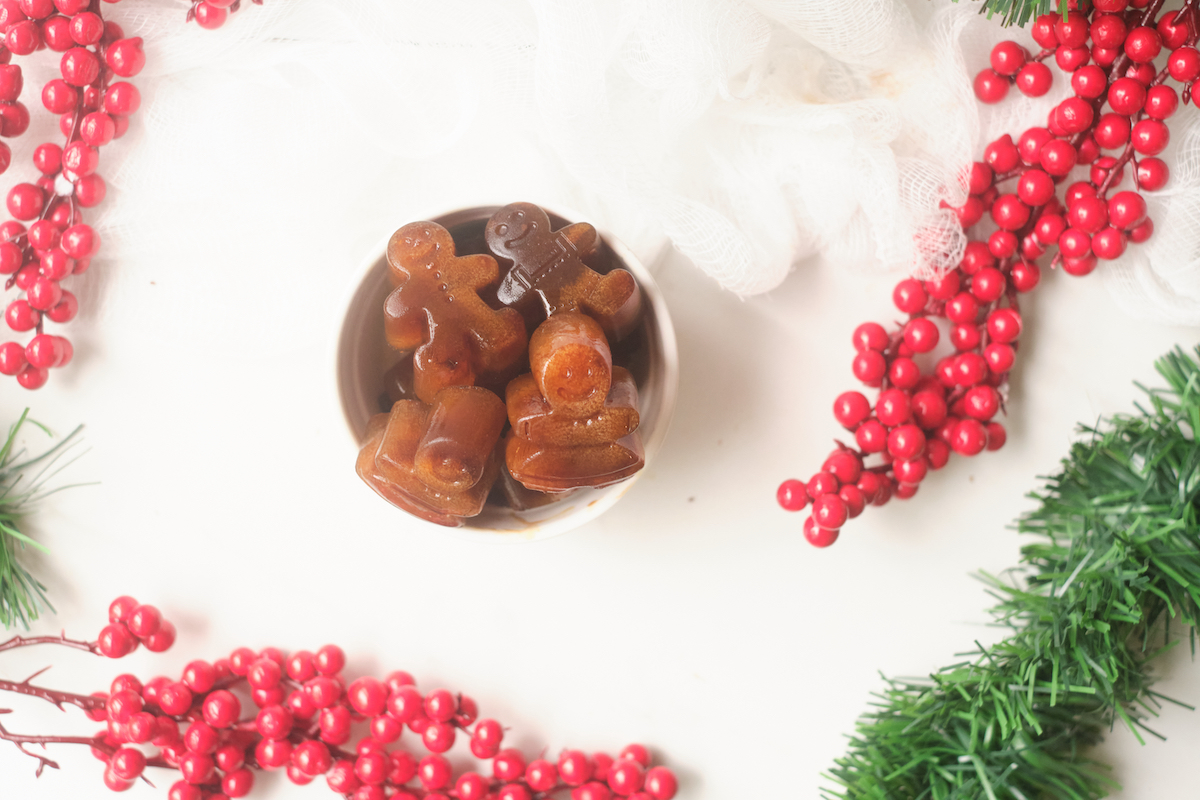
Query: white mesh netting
[752, 133]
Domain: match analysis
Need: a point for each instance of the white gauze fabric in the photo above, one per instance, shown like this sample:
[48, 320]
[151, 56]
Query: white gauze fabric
[751, 134]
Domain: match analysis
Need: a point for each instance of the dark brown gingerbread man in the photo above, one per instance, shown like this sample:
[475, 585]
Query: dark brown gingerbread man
[549, 265]
[436, 310]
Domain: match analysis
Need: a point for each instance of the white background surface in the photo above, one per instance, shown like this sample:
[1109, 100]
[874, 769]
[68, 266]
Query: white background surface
[692, 617]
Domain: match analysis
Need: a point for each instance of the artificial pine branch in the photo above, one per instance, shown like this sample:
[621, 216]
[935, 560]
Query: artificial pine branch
[22, 481]
[1019, 12]
[1115, 562]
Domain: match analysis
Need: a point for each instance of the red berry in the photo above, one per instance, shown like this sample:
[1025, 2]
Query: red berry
[272, 753]
[990, 87]
[891, 408]
[1143, 44]
[980, 178]
[909, 296]
[816, 536]
[1031, 143]
[942, 288]
[1074, 243]
[996, 436]
[1070, 59]
[1072, 31]
[1004, 325]
[1108, 244]
[1034, 79]
[1150, 137]
[969, 368]
[237, 783]
[1057, 158]
[221, 709]
[1009, 212]
[23, 38]
[963, 307]
[982, 402]
[822, 483]
[1161, 102]
[1107, 31]
[144, 621]
[1152, 174]
[1126, 96]
[976, 256]
[1184, 64]
[869, 484]
[869, 367]
[1001, 155]
[97, 129]
[906, 442]
[1042, 31]
[12, 358]
[969, 437]
[438, 737]
[25, 201]
[851, 408]
[1080, 266]
[791, 495]
[125, 57]
[928, 409]
[1112, 131]
[312, 757]
[904, 373]
[844, 465]
[1174, 32]
[1035, 188]
[999, 357]
[1088, 214]
[871, 436]
[1048, 228]
[1142, 232]
[1075, 114]
[870, 336]
[829, 511]
[1003, 244]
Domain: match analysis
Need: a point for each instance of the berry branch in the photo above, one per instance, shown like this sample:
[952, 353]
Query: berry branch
[929, 408]
[93, 110]
[304, 713]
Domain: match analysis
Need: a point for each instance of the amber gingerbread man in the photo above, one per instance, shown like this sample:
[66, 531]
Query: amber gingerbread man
[436, 311]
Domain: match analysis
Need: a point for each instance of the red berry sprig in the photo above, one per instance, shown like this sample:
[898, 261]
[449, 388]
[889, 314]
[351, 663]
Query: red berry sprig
[47, 240]
[223, 722]
[211, 14]
[920, 417]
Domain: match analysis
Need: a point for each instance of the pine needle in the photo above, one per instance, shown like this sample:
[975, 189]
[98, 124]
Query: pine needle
[1115, 559]
[1019, 12]
[23, 597]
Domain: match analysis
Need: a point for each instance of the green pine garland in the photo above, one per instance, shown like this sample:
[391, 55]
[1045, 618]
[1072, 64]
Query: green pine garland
[22, 595]
[1115, 562]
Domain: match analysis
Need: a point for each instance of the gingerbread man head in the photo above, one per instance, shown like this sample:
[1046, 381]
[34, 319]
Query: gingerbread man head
[419, 244]
[516, 229]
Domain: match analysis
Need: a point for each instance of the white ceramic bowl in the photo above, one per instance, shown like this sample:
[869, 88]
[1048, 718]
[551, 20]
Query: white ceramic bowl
[363, 356]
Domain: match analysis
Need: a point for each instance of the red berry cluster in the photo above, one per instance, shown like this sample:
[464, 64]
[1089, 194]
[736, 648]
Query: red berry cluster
[927, 409]
[47, 241]
[211, 14]
[303, 715]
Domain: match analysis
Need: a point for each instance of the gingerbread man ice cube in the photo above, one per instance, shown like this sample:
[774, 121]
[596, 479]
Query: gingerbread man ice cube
[435, 461]
[574, 418]
[548, 264]
[436, 310]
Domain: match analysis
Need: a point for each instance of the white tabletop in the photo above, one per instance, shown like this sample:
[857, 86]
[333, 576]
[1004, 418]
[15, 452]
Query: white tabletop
[691, 617]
